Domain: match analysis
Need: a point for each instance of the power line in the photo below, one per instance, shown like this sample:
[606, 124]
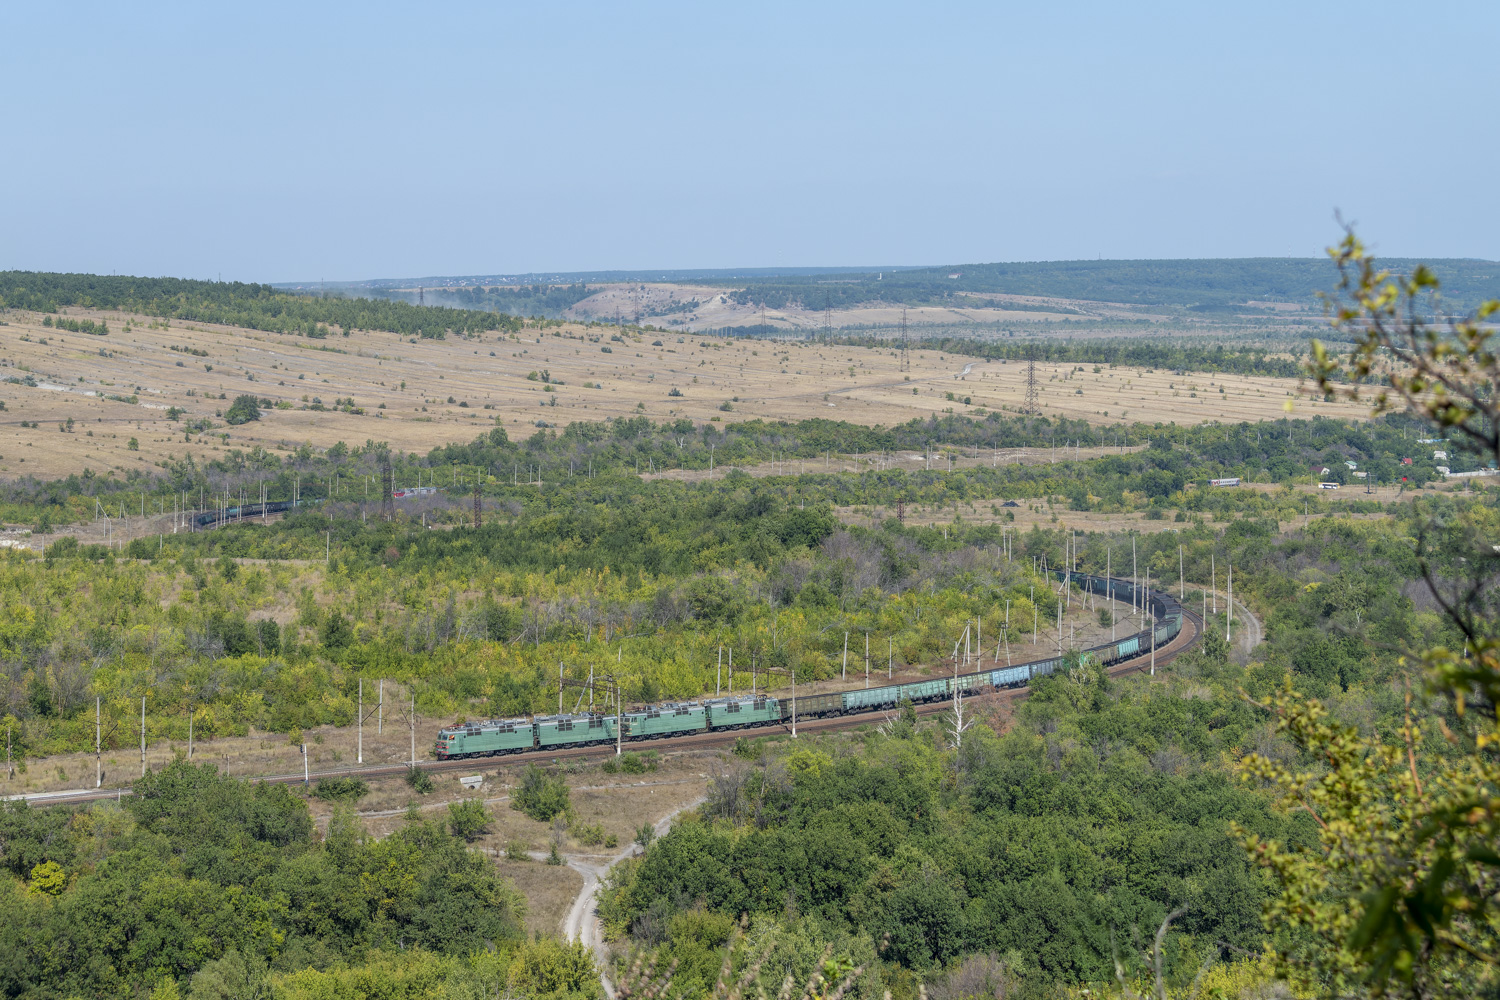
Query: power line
[1033, 391]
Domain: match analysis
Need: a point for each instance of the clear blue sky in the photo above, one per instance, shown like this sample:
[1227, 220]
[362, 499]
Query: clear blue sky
[303, 141]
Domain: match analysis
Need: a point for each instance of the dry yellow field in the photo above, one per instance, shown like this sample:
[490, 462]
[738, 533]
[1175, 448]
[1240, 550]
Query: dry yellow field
[423, 394]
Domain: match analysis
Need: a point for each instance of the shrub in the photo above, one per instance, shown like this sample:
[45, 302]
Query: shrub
[243, 410]
[589, 834]
[540, 795]
[468, 819]
[419, 780]
[631, 763]
[341, 789]
[516, 851]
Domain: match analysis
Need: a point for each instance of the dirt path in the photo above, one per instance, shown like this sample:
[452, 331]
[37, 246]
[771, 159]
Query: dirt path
[582, 921]
[1247, 630]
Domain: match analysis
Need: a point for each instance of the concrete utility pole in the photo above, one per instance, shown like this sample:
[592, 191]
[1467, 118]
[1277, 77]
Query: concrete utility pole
[1151, 624]
[1109, 584]
[867, 659]
[1229, 605]
[380, 710]
[1181, 580]
[844, 671]
[413, 728]
[360, 745]
[98, 755]
[794, 701]
[143, 736]
[1213, 581]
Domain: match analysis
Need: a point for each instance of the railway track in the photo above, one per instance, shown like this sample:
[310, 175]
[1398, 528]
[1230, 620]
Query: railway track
[1185, 640]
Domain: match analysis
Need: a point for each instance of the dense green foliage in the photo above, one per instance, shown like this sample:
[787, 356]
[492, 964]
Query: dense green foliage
[1099, 811]
[243, 410]
[541, 794]
[252, 306]
[196, 867]
[1102, 807]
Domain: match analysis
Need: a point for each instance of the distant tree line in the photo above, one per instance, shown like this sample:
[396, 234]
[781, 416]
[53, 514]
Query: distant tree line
[1200, 285]
[1277, 451]
[545, 301]
[251, 306]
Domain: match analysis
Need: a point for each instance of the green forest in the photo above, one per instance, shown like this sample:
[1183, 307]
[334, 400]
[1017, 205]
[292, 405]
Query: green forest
[234, 303]
[1202, 285]
[212, 888]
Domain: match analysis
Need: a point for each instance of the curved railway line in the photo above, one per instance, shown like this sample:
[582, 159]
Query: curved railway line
[1185, 639]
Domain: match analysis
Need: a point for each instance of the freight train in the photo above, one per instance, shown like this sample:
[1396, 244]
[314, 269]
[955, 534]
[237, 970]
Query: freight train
[244, 512]
[506, 736]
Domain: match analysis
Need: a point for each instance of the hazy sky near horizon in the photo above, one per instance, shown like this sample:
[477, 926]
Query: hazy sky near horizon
[281, 142]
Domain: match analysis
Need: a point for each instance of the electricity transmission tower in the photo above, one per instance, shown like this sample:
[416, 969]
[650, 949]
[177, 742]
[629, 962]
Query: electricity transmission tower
[387, 489]
[905, 344]
[1033, 398]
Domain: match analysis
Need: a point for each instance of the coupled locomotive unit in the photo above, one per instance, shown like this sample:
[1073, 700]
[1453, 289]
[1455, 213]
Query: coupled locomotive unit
[505, 736]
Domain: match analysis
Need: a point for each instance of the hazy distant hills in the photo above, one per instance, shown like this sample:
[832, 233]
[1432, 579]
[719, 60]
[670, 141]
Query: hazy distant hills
[1202, 285]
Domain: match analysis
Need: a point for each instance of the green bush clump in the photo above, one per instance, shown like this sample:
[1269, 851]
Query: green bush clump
[341, 789]
[419, 780]
[468, 819]
[541, 795]
[243, 410]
